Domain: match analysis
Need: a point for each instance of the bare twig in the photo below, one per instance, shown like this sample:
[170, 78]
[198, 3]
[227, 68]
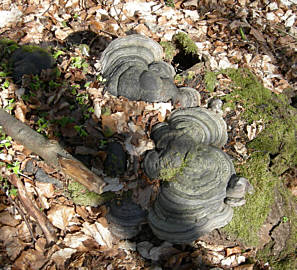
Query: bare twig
[32, 210]
[23, 217]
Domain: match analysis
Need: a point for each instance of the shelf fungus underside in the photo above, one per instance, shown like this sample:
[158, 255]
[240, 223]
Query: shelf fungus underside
[133, 68]
[125, 219]
[200, 186]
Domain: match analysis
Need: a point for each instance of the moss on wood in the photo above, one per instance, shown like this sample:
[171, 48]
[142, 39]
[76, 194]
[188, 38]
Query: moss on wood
[80, 195]
[271, 153]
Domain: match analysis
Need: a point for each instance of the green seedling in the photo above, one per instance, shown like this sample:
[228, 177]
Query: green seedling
[87, 114]
[84, 49]
[15, 167]
[64, 121]
[82, 98]
[42, 124]
[5, 84]
[243, 36]
[87, 84]
[102, 143]
[169, 3]
[80, 63]
[3, 74]
[53, 85]
[80, 130]
[5, 141]
[74, 88]
[58, 53]
[9, 107]
[285, 219]
[5, 185]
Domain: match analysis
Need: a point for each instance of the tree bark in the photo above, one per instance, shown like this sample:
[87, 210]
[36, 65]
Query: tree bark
[52, 153]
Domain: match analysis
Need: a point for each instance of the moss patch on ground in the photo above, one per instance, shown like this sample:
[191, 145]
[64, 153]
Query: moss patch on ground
[80, 195]
[271, 153]
[185, 43]
[169, 50]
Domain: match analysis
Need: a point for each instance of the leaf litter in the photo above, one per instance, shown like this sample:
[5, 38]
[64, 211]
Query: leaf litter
[227, 33]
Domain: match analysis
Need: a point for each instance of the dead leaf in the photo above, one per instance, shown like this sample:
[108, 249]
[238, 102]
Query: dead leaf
[116, 122]
[60, 256]
[7, 219]
[258, 35]
[76, 240]
[99, 232]
[233, 250]
[30, 259]
[20, 111]
[60, 216]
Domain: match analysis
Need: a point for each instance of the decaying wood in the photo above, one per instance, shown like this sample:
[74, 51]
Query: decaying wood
[32, 210]
[51, 152]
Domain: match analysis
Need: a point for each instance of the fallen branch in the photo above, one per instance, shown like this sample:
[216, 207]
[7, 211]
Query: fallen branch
[52, 153]
[32, 210]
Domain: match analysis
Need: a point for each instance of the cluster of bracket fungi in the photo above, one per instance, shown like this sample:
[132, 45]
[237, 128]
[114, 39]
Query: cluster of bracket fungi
[199, 186]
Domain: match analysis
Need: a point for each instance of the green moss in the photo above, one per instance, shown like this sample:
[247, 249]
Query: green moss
[185, 43]
[184, 77]
[248, 219]
[169, 172]
[272, 152]
[287, 257]
[32, 48]
[210, 80]
[169, 50]
[80, 195]
[7, 47]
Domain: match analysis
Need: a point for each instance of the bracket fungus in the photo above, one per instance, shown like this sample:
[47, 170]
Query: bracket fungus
[200, 185]
[125, 219]
[30, 60]
[133, 68]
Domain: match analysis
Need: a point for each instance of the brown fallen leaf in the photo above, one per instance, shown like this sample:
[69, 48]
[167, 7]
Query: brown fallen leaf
[7, 219]
[30, 259]
[60, 216]
[258, 35]
[232, 250]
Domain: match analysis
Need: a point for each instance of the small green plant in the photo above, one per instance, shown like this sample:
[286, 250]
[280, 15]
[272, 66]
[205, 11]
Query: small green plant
[81, 131]
[243, 36]
[88, 112]
[58, 53]
[65, 120]
[9, 107]
[36, 83]
[42, 124]
[82, 98]
[74, 88]
[5, 141]
[15, 167]
[5, 84]
[285, 219]
[169, 3]
[6, 186]
[101, 79]
[80, 63]
[102, 143]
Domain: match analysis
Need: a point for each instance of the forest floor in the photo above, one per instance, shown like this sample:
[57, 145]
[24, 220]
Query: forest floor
[231, 37]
